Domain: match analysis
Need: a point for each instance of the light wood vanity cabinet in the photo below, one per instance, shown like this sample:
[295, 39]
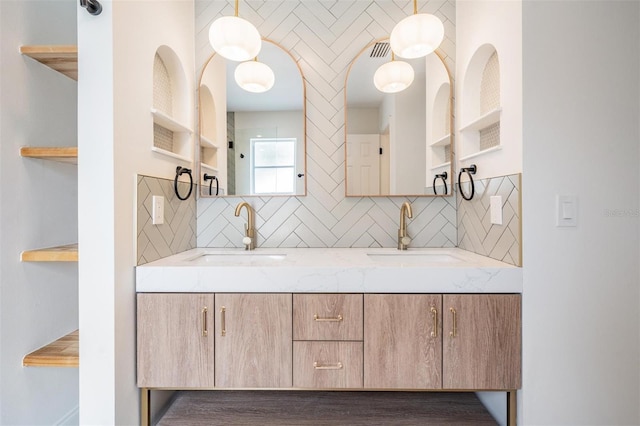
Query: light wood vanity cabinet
[461, 341]
[253, 340]
[330, 341]
[175, 340]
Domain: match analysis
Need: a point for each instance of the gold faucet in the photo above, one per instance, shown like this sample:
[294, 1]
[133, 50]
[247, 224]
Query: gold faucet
[403, 238]
[249, 239]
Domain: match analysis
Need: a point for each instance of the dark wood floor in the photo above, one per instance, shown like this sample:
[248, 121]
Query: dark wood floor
[194, 408]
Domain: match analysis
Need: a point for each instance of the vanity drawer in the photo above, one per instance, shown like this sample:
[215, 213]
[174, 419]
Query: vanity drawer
[327, 365]
[327, 316]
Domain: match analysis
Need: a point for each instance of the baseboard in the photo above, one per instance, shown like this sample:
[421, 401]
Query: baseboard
[72, 418]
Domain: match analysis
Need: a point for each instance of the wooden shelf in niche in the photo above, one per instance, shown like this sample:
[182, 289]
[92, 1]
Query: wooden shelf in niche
[484, 121]
[65, 253]
[63, 58]
[63, 352]
[60, 154]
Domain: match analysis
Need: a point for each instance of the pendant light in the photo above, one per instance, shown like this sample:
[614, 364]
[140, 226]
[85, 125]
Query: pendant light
[394, 76]
[235, 38]
[254, 76]
[417, 35]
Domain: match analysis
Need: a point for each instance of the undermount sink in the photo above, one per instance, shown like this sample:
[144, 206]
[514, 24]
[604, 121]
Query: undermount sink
[237, 259]
[409, 258]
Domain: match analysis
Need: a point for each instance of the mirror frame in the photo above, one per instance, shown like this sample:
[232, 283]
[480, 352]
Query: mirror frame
[450, 193]
[199, 130]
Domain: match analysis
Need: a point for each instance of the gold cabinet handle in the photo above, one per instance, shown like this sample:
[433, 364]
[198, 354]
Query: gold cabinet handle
[223, 322]
[434, 313]
[335, 319]
[205, 331]
[454, 332]
[336, 366]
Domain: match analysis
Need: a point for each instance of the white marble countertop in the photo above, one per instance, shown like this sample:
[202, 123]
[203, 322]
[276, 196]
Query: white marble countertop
[328, 270]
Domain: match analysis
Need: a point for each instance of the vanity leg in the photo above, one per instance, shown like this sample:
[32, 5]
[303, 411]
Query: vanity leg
[145, 407]
[512, 403]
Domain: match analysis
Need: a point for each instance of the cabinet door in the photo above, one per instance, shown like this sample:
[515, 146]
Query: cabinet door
[402, 341]
[482, 341]
[253, 340]
[175, 341]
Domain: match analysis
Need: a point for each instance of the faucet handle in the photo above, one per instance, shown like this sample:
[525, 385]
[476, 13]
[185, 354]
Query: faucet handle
[247, 241]
[406, 240]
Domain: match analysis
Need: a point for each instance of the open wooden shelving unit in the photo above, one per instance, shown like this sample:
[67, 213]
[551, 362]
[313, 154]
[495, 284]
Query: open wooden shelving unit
[63, 352]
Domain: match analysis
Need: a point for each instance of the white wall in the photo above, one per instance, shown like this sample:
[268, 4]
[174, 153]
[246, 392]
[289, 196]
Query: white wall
[410, 138]
[499, 23]
[38, 208]
[581, 293]
[363, 120]
[116, 51]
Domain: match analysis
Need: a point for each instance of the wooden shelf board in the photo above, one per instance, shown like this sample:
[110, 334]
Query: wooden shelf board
[61, 154]
[66, 253]
[63, 59]
[63, 352]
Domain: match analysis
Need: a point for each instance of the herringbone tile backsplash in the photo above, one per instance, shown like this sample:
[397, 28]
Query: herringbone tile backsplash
[324, 37]
[178, 233]
[476, 233]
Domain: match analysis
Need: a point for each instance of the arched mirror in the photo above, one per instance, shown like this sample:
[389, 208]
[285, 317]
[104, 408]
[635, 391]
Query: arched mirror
[252, 143]
[398, 143]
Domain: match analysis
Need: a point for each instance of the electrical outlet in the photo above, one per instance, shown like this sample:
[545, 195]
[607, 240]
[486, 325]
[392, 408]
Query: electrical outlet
[157, 214]
[495, 202]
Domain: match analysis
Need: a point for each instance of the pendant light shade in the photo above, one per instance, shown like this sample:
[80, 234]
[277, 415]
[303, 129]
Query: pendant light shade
[235, 38]
[254, 76]
[416, 35]
[394, 76]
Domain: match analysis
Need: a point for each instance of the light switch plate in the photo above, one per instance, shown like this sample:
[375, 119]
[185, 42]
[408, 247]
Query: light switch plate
[566, 210]
[495, 202]
[157, 213]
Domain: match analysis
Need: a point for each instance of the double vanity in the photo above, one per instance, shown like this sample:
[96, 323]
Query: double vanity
[330, 319]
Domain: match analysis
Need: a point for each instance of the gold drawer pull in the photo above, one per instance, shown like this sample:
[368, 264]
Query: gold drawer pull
[336, 319]
[434, 312]
[205, 332]
[223, 322]
[336, 366]
[454, 332]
